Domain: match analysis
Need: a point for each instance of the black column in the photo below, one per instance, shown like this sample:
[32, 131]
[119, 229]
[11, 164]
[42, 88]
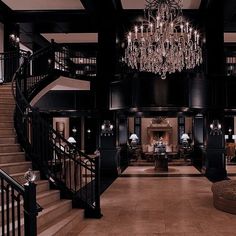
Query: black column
[215, 158]
[106, 61]
[214, 32]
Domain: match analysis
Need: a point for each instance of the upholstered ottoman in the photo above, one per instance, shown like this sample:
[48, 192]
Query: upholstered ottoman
[224, 195]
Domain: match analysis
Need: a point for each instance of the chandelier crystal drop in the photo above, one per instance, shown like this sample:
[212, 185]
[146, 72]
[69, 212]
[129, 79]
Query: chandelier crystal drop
[164, 42]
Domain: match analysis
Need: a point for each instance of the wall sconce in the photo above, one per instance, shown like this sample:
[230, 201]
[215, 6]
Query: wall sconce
[14, 40]
[107, 128]
[74, 130]
[215, 128]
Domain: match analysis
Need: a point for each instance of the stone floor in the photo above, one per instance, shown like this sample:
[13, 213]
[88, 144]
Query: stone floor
[162, 206]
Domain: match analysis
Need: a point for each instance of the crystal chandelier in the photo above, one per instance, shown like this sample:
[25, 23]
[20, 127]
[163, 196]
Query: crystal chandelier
[164, 42]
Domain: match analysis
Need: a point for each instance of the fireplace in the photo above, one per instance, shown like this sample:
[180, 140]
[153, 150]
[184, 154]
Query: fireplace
[154, 134]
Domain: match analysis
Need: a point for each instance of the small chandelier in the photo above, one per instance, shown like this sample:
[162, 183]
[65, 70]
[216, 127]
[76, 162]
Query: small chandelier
[164, 42]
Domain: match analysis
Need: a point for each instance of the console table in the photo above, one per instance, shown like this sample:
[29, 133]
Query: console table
[161, 161]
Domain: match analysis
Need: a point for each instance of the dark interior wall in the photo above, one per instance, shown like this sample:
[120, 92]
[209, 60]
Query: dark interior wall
[68, 100]
[146, 90]
[198, 92]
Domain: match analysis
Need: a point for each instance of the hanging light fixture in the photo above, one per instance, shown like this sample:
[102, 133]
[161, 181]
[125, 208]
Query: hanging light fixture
[164, 42]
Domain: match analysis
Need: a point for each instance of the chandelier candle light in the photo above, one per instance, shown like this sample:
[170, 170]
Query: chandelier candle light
[164, 42]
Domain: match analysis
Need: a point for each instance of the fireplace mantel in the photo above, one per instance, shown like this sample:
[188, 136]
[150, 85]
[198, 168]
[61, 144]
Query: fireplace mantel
[153, 133]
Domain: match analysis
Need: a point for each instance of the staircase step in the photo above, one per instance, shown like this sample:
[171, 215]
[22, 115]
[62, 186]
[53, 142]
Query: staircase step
[12, 157]
[12, 135]
[6, 118]
[64, 224]
[12, 168]
[6, 131]
[43, 198]
[42, 185]
[48, 197]
[7, 112]
[9, 147]
[53, 211]
[7, 140]
[6, 91]
[7, 101]
[6, 85]
[7, 106]
[9, 124]
[5, 97]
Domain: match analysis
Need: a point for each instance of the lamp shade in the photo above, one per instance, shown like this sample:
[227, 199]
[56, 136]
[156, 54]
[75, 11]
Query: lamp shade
[71, 140]
[184, 136]
[133, 137]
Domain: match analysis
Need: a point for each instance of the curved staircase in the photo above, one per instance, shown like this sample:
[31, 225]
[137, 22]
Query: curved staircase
[57, 217]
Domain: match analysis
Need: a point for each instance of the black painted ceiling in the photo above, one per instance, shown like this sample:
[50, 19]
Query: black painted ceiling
[97, 16]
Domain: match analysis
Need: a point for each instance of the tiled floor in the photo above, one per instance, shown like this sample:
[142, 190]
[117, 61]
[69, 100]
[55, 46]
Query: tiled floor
[162, 206]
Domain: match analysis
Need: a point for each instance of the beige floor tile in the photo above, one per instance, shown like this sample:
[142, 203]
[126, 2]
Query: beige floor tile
[162, 206]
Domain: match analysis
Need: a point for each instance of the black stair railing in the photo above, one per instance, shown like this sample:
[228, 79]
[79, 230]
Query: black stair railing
[73, 172]
[18, 214]
[9, 63]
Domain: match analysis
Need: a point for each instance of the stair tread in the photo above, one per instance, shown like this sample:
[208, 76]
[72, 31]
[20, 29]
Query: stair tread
[8, 136]
[15, 163]
[46, 193]
[40, 181]
[9, 144]
[58, 224]
[11, 153]
[6, 102]
[52, 206]
[6, 128]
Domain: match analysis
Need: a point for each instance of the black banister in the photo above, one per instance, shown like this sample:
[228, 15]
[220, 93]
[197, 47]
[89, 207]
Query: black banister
[13, 195]
[76, 174]
[18, 187]
[30, 209]
[9, 62]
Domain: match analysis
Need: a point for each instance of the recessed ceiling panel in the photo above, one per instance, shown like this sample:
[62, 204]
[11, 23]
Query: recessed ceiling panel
[72, 37]
[43, 4]
[140, 4]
